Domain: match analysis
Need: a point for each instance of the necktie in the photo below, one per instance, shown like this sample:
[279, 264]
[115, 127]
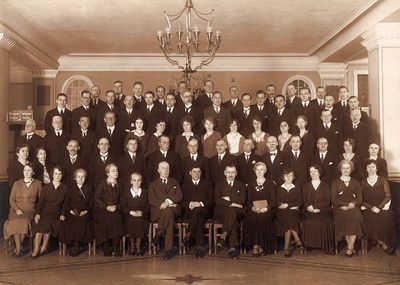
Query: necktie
[164, 181]
[321, 104]
[193, 158]
[62, 112]
[73, 159]
[196, 183]
[304, 104]
[217, 109]
[322, 157]
[96, 101]
[247, 158]
[103, 158]
[164, 154]
[148, 109]
[58, 134]
[110, 131]
[326, 127]
[230, 183]
[133, 158]
[83, 134]
[219, 159]
[28, 137]
[272, 154]
[233, 103]
[246, 113]
[187, 110]
[129, 112]
[343, 103]
[280, 112]
[354, 126]
[296, 154]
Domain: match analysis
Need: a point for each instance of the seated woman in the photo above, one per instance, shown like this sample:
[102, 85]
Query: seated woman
[210, 138]
[307, 138]
[182, 140]
[140, 134]
[348, 146]
[153, 139]
[288, 203]
[259, 228]
[284, 137]
[259, 137]
[346, 200]
[78, 205]
[108, 226]
[135, 206]
[373, 150]
[317, 227]
[15, 170]
[42, 166]
[378, 217]
[234, 138]
[49, 212]
[24, 196]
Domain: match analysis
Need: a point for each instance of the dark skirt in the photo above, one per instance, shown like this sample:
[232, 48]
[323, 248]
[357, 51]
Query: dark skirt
[107, 225]
[136, 227]
[318, 231]
[47, 225]
[347, 222]
[379, 226]
[76, 229]
[259, 229]
[287, 219]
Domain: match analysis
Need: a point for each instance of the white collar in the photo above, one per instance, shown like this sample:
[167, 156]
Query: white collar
[30, 134]
[246, 109]
[138, 193]
[291, 186]
[60, 109]
[229, 182]
[84, 131]
[222, 154]
[73, 157]
[129, 110]
[196, 181]
[164, 152]
[131, 154]
[112, 128]
[59, 131]
[294, 151]
[281, 110]
[184, 135]
[194, 156]
[150, 106]
[104, 154]
[324, 153]
[234, 101]
[189, 106]
[170, 108]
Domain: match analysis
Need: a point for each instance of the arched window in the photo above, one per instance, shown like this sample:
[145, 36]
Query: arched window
[73, 87]
[300, 81]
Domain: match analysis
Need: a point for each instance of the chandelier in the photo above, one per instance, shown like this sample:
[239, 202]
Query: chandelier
[187, 41]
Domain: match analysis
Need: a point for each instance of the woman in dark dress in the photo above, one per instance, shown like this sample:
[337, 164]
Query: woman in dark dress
[348, 146]
[317, 227]
[288, 203]
[16, 169]
[134, 205]
[259, 228]
[346, 200]
[373, 150]
[153, 139]
[49, 212]
[108, 226]
[181, 141]
[378, 216]
[307, 137]
[140, 134]
[42, 166]
[78, 205]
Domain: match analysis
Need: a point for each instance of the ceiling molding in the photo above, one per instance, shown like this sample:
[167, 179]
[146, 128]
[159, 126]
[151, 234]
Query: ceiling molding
[6, 42]
[332, 70]
[383, 34]
[342, 26]
[157, 62]
[44, 73]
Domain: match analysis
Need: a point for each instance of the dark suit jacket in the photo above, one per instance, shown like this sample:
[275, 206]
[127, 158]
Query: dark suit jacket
[245, 171]
[265, 116]
[87, 144]
[69, 168]
[223, 118]
[296, 101]
[287, 115]
[119, 102]
[56, 146]
[203, 192]
[158, 192]
[175, 167]
[100, 104]
[100, 115]
[217, 169]
[236, 193]
[116, 139]
[246, 124]
[173, 127]
[275, 169]
[333, 135]
[33, 143]
[203, 102]
[126, 121]
[126, 167]
[77, 113]
[54, 112]
[196, 113]
[228, 104]
[152, 117]
[362, 136]
[300, 166]
[310, 112]
[329, 166]
[97, 167]
[201, 161]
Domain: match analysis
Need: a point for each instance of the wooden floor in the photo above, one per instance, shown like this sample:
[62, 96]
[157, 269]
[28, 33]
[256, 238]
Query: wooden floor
[312, 268]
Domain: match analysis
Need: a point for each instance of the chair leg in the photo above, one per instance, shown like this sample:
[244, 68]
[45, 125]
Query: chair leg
[94, 247]
[210, 229]
[123, 245]
[150, 234]
[59, 248]
[215, 238]
[183, 236]
[89, 248]
[180, 237]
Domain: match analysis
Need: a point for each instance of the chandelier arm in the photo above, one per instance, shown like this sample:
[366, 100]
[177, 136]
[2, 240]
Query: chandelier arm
[204, 14]
[177, 15]
[201, 17]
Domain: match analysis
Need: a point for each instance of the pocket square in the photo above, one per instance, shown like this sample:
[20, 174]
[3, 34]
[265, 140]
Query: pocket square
[330, 163]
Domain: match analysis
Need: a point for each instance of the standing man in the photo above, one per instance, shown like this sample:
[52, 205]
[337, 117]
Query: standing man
[138, 95]
[291, 98]
[30, 138]
[245, 116]
[56, 140]
[275, 160]
[281, 114]
[234, 104]
[204, 100]
[160, 92]
[119, 96]
[62, 111]
[152, 113]
[85, 110]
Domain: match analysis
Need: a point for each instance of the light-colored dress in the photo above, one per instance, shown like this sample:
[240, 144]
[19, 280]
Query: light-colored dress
[235, 143]
[22, 198]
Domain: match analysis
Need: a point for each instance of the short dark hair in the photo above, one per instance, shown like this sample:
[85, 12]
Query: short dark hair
[85, 92]
[62, 94]
[118, 81]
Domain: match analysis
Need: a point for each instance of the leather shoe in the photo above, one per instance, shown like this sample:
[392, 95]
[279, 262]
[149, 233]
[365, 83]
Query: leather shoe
[155, 240]
[220, 243]
[168, 254]
[234, 254]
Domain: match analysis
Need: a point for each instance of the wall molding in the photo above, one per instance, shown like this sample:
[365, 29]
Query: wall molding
[157, 62]
[44, 73]
[6, 42]
[332, 70]
[383, 34]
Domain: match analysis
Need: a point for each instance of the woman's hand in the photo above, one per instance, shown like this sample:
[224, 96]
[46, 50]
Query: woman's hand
[62, 218]
[376, 210]
[82, 213]
[37, 218]
[19, 212]
[263, 210]
[345, 208]
[310, 208]
[283, 205]
[254, 209]
[111, 208]
[316, 210]
[352, 205]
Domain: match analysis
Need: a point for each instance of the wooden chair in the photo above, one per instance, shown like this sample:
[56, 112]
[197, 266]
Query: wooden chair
[208, 226]
[217, 226]
[8, 244]
[62, 248]
[152, 233]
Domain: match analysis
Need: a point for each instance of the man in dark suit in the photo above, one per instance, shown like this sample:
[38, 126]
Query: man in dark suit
[331, 131]
[119, 96]
[56, 140]
[128, 115]
[138, 95]
[354, 103]
[230, 197]
[337, 116]
[85, 137]
[246, 162]
[319, 101]
[71, 162]
[234, 104]
[245, 116]
[198, 198]
[326, 160]
[204, 100]
[291, 99]
[259, 109]
[220, 114]
[112, 132]
[281, 114]
[164, 197]
[129, 162]
[85, 110]
[95, 100]
[192, 110]
[305, 108]
[299, 161]
[99, 161]
[271, 93]
[152, 113]
[360, 132]
[164, 154]
[275, 160]
[182, 88]
[60, 110]
[220, 161]
[160, 92]
[194, 158]
[172, 117]
[110, 106]
[30, 138]
[342, 105]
